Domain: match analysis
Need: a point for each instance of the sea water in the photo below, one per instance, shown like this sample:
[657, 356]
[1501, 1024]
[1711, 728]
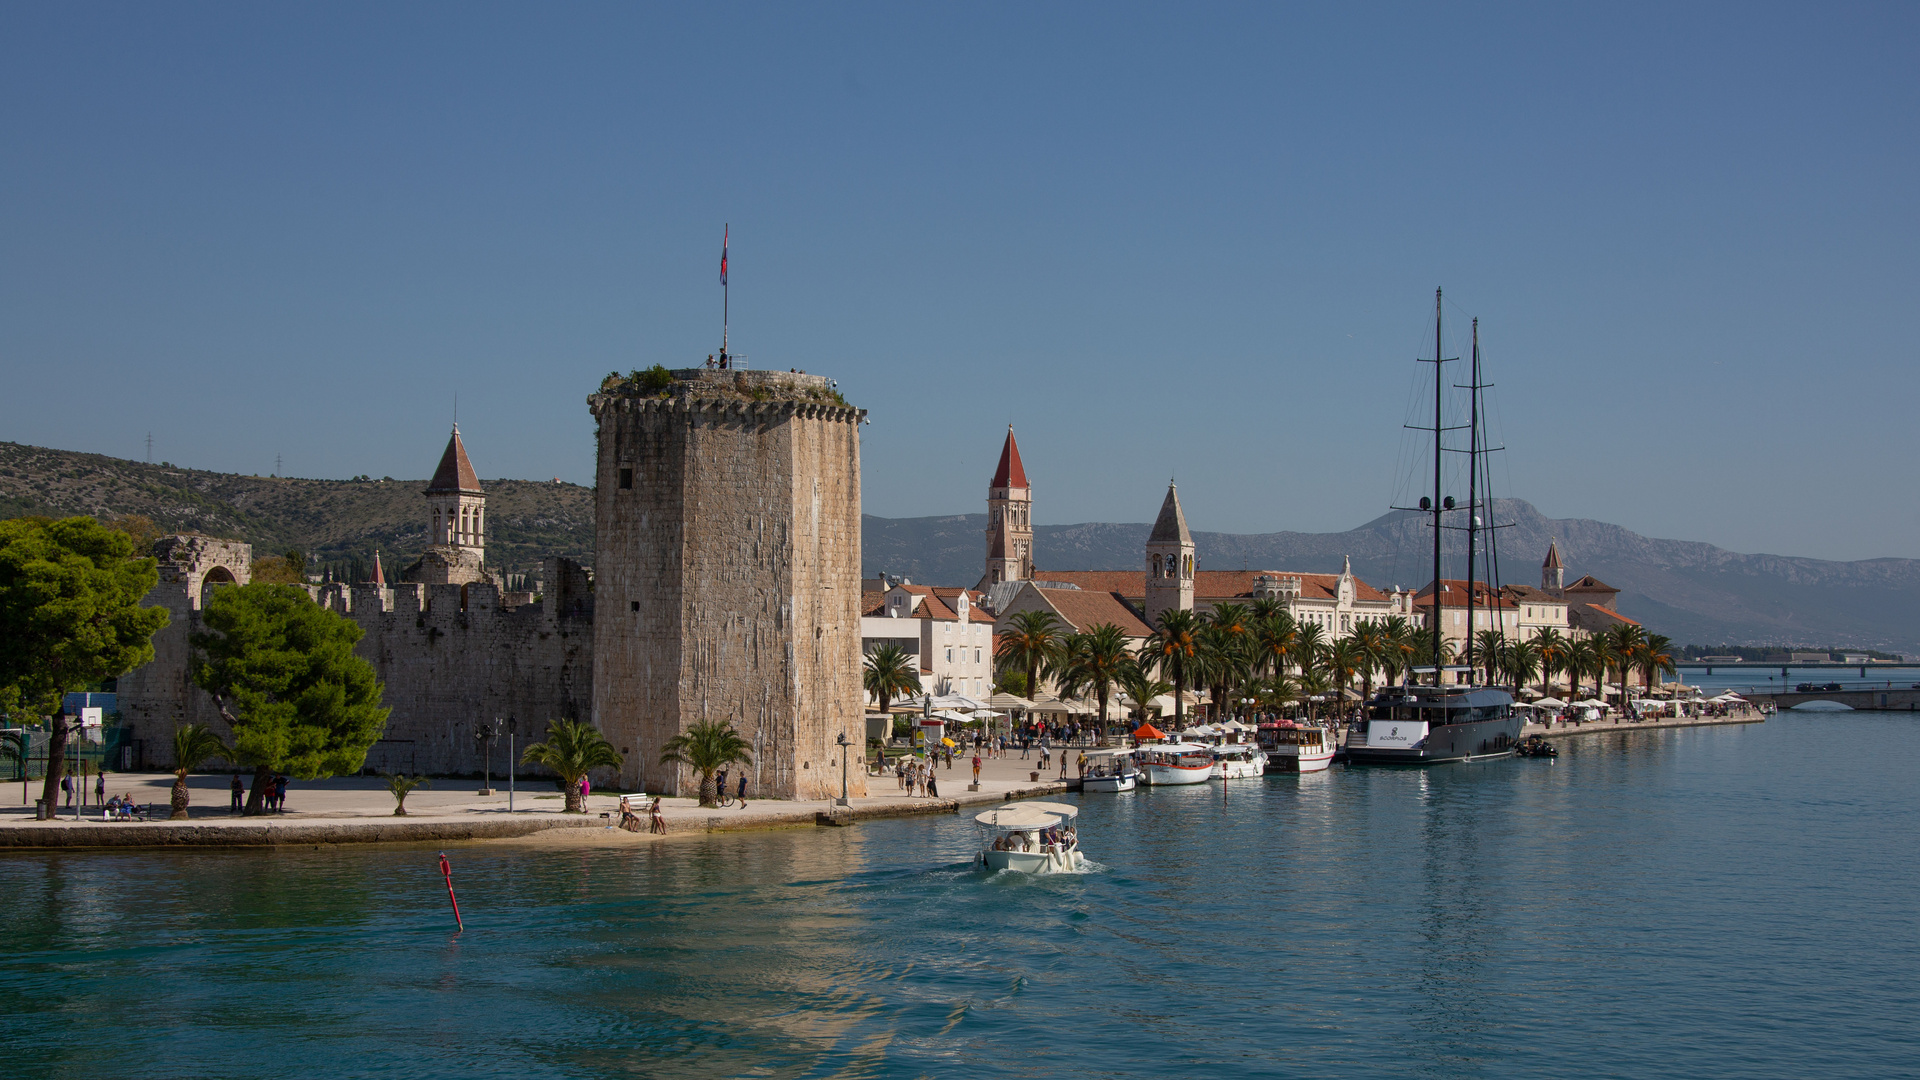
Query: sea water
[1734, 901]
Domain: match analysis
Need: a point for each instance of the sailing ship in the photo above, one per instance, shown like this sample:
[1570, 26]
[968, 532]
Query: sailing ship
[1429, 724]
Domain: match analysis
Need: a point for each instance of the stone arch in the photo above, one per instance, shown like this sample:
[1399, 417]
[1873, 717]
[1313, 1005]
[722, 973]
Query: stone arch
[215, 577]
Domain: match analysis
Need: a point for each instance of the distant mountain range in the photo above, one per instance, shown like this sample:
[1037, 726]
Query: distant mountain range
[1692, 592]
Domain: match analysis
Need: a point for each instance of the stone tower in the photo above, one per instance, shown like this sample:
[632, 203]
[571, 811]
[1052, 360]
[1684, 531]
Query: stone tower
[456, 522]
[727, 575]
[1009, 519]
[1169, 561]
[1553, 573]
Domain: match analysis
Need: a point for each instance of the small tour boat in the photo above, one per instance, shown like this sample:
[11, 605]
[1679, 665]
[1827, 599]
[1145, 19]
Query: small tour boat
[1293, 748]
[1535, 746]
[1236, 761]
[1109, 770]
[1031, 838]
[1175, 763]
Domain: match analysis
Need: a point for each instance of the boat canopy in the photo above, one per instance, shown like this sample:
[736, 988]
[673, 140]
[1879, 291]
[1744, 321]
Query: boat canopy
[1178, 748]
[1028, 815]
[1091, 754]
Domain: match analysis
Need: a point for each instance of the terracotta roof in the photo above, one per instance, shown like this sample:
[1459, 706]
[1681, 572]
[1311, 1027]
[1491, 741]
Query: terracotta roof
[1125, 582]
[873, 603]
[1590, 583]
[1553, 557]
[1612, 614]
[938, 602]
[1454, 594]
[1010, 473]
[1171, 525]
[1531, 595]
[455, 472]
[1083, 610]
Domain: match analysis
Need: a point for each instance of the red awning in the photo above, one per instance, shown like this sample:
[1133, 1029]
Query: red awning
[1148, 731]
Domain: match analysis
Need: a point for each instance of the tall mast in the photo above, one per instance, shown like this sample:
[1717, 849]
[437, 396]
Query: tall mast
[1473, 480]
[1439, 647]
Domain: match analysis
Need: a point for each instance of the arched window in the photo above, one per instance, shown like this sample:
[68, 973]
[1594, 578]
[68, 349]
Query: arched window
[1156, 566]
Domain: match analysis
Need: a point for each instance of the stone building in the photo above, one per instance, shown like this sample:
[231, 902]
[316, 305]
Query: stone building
[946, 632]
[452, 651]
[727, 574]
[1009, 520]
[1170, 561]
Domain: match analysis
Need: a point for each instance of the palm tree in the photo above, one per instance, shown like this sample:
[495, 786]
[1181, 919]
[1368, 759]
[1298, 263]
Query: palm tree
[1623, 646]
[1310, 648]
[192, 745]
[1551, 646]
[707, 747]
[1275, 636]
[1222, 662]
[1174, 651]
[400, 786]
[1313, 684]
[1583, 657]
[1031, 641]
[888, 671]
[1138, 684]
[1397, 656]
[573, 749]
[1096, 661]
[1521, 660]
[1343, 665]
[1272, 692]
[1486, 648]
[1655, 660]
[1371, 644]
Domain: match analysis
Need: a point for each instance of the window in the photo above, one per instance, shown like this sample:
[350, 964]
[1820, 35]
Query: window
[949, 656]
[635, 605]
[626, 478]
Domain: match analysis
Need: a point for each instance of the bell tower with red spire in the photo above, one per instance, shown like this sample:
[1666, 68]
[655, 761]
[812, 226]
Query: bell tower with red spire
[1009, 519]
[456, 522]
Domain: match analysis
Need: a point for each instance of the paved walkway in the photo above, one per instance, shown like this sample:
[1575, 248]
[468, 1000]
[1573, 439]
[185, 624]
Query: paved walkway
[1566, 731]
[360, 809]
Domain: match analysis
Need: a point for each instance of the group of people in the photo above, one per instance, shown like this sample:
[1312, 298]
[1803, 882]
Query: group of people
[917, 777]
[630, 821]
[273, 795]
[1053, 839]
[121, 808]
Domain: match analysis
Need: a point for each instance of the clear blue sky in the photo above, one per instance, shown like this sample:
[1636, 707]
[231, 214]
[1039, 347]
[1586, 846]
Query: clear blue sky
[1197, 240]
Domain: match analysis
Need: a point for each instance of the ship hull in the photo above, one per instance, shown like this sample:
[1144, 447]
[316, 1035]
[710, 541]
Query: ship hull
[1478, 740]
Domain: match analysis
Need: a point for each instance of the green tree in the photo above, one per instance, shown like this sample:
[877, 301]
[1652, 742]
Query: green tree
[1521, 661]
[1372, 646]
[1551, 646]
[282, 670]
[1032, 640]
[1141, 687]
[13, 749]
[1397, 657]
[1174, 651]
[707, 747]
[1343, 664]
[572, 749]
[1623, 641]
[1656, 658]
[70, 617]
[889, 671]
[193, 744]
[1275, 636]
[1096, 663]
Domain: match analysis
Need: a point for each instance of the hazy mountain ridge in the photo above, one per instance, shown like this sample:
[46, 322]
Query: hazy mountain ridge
[1691, 591]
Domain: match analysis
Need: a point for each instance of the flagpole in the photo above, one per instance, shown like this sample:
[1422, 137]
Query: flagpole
[725, 295]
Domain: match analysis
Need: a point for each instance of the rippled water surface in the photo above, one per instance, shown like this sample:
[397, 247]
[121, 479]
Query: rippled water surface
[1726, 902]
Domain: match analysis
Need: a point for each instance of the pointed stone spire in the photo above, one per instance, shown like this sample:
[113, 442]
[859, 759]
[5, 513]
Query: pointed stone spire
[379, 574]
[1011, 473]
[1553, 574]
[1171, 526]
[455, 473]
[1009, 519]
[1553, 557]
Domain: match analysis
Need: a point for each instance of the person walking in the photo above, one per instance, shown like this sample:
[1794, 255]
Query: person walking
[933, 785]
[239, 793]
[659, 820]
[280, 794]
[976, 768]
[66, 787]
[743, 789]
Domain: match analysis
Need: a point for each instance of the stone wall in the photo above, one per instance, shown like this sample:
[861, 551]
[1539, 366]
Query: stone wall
[727, 575]
[450, 656]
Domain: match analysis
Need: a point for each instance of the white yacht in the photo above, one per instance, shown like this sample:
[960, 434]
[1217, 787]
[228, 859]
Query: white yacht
[1031, 838]
[1234, 761]
[1175, 763]
[1109, 770]
[1297, 748]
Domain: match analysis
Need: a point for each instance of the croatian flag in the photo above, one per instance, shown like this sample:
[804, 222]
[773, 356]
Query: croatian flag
[724, 235]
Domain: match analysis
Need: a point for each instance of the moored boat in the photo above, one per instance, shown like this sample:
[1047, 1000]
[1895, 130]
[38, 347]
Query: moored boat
[1031, 838]
[1294, 748]
[1235, 761]
[1175, 763]
[1110, 770]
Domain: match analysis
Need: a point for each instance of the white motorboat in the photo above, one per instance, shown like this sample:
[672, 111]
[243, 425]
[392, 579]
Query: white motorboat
[1175, 763]
[1235, 761]
[1031, 838]
[1109, 770]
[1295, 748]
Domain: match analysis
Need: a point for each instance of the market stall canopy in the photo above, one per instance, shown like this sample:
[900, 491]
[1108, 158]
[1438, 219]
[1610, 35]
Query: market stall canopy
[1551, 703]
[1009, 701]
[1148, 731]
[1591, 703]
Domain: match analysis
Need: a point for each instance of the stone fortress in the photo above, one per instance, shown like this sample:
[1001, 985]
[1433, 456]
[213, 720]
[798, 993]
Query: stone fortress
[727, 587]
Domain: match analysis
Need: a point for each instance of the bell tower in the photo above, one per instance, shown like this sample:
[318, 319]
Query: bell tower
[1009, 519]
[1169, 561]
[1553, 573]
[456, 521]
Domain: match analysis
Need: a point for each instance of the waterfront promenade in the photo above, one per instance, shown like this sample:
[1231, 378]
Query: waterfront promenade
[1601, 727]
[360, 810]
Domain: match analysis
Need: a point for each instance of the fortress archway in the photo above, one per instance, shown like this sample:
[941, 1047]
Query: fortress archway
[216, 577]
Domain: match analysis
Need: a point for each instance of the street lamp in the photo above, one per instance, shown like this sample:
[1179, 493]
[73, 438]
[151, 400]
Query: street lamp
[485, 736]
[512, 724]
[843, 744]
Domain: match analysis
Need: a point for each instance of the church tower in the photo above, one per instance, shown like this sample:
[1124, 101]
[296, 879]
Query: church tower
[1009, 519]
[1169, 561]
[456, 522]
[1553, 574]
